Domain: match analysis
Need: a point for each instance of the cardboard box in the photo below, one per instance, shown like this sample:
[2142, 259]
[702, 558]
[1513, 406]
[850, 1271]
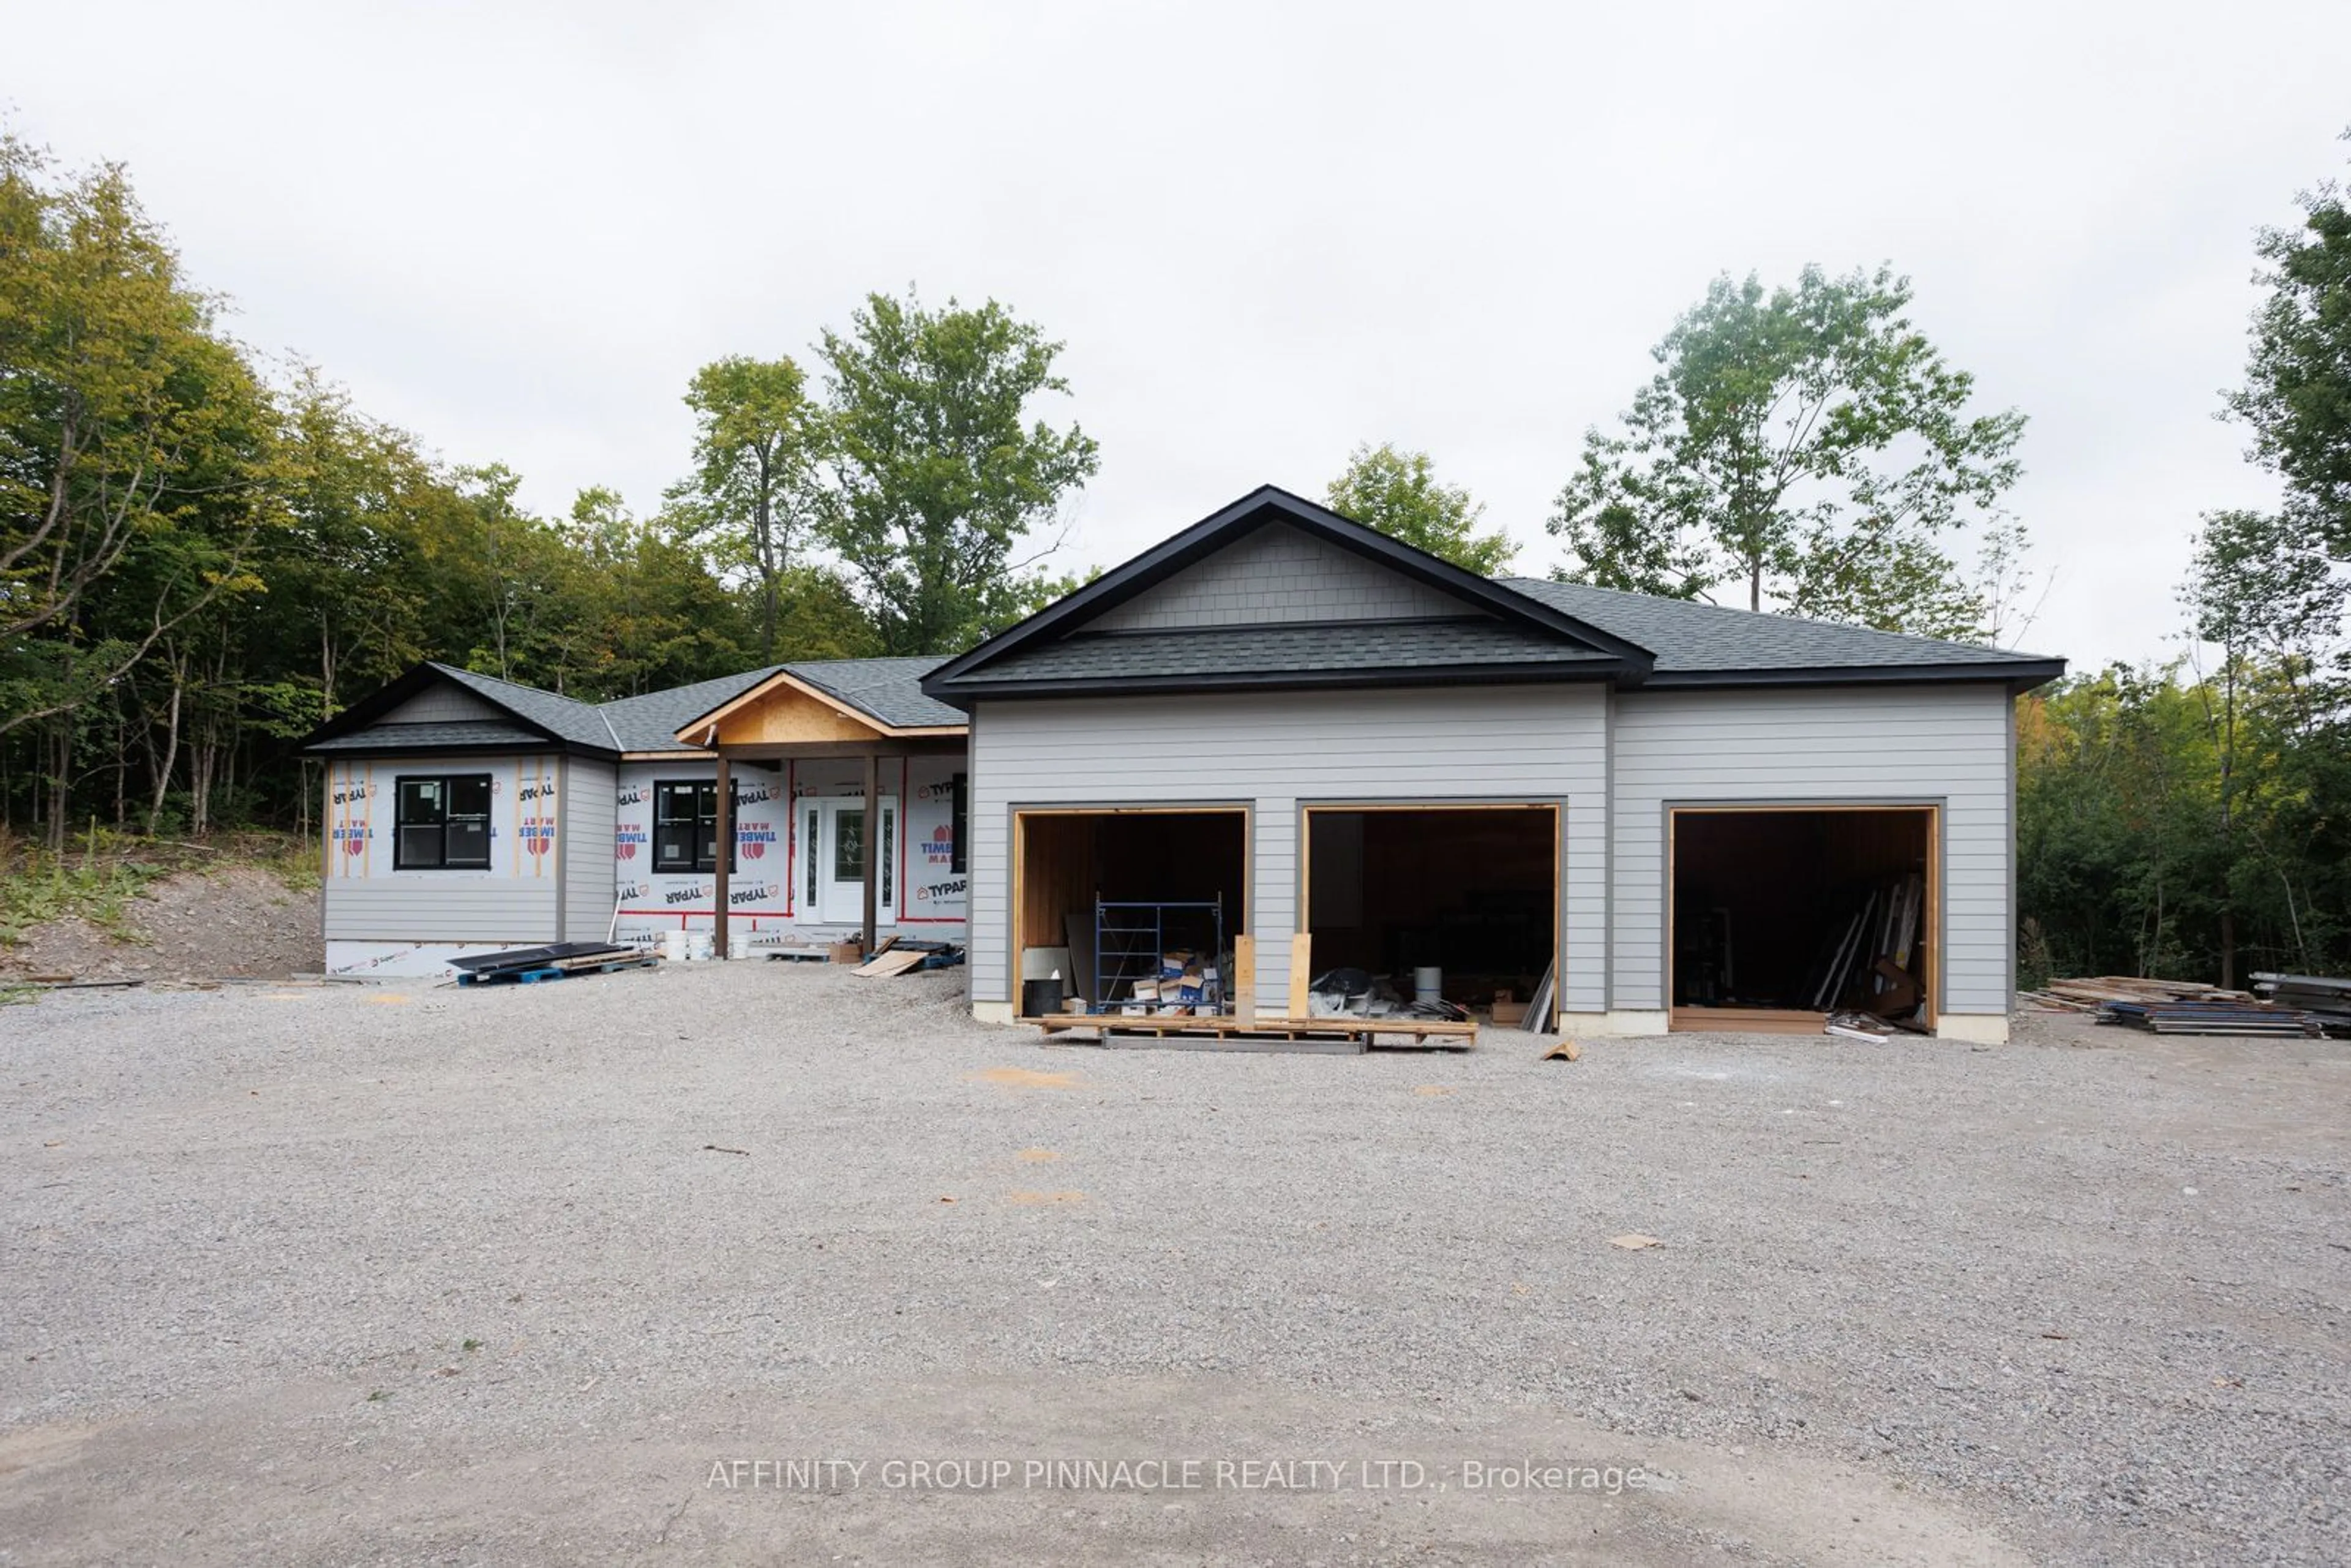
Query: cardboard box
[848, 952]
[1509, 1012]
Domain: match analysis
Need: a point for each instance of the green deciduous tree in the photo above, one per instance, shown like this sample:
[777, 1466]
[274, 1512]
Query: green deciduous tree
[939, 472]
[1399, 492]
[1808, 448]
[757, 442]
[2297, 394]
[131, 436]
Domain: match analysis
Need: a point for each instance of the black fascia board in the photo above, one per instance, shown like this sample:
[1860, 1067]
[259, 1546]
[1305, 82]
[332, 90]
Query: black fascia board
[416, 679]
[1271, 503]
[2016, 675]
[470, 748]
[1513, 674]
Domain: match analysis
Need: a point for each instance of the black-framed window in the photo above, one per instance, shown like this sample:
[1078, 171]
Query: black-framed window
[960, 824]
[685, 827]
[440, 822]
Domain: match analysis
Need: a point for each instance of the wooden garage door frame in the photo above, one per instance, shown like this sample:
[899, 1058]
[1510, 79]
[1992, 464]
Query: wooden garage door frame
[1778, 1019]
[1302, 944]
[1020, 815]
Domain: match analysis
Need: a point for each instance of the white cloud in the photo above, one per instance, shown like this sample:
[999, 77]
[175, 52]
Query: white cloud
[1266, 232]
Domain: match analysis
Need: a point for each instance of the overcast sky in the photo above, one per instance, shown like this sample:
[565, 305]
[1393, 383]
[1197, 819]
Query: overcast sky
[1265, 231]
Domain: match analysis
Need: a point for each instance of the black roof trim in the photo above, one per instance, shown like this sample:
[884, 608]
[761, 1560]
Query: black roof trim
[2016, 675]
[364, 713]
[1271, 503]
[1513, 674]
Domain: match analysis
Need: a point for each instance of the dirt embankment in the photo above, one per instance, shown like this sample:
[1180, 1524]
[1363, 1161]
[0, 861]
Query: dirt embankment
[208, 924]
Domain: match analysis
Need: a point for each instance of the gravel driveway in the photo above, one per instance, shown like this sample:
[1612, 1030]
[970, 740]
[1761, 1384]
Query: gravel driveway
[601, 1270]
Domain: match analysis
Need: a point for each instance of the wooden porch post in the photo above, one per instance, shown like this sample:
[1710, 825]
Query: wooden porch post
[726, 856]
[873, 854]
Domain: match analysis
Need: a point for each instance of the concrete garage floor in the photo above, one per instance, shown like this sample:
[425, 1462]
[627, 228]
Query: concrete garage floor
[377, 1276]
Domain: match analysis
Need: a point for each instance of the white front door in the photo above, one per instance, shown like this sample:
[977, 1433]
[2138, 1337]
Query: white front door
[832, 879]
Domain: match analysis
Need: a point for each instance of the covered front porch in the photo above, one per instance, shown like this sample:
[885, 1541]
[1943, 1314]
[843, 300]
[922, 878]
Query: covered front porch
[875, 830]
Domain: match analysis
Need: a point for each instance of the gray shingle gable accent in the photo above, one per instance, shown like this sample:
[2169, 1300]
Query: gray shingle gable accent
[1278, 574]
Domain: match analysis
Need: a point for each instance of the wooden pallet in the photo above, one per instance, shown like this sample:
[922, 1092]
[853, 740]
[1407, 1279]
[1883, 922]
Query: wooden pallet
[1443, 1034]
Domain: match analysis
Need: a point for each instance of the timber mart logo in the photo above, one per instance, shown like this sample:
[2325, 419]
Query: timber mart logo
[537, 834]
[754, 841]
[627, 842]
[352, 837]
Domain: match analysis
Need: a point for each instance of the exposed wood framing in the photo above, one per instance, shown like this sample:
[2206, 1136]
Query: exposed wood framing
[1761, 1019]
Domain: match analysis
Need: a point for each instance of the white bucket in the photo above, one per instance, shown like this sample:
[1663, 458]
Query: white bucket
[674, 946]
[1428, 985]
[698, 946]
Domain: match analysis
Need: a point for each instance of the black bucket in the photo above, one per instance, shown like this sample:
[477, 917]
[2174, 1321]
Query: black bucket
[1041, 998]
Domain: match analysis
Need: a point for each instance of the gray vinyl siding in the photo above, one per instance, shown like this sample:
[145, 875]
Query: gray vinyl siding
[1945, 746]
[444, 704]
[590, 811]
[1279, 574]
[1275, 752]
[497, 905]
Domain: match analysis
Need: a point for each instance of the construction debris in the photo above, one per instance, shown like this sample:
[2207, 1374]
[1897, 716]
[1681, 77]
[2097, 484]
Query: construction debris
[2179, 1007]
[903, 956]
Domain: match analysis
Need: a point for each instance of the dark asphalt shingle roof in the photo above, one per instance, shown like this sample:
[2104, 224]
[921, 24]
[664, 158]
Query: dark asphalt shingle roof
[889, 689]
[1694, 638]
[434, 737]
[1293, 649]
[650, 722]
[567, 718]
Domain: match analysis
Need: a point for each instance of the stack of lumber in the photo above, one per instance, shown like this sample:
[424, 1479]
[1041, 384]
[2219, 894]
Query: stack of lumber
[2089, 995]
[2326, 998]
[2174, 1006]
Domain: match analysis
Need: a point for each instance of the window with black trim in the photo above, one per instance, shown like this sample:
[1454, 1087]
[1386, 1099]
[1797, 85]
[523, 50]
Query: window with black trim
[441, 823]
[685, 827]
[960, 824]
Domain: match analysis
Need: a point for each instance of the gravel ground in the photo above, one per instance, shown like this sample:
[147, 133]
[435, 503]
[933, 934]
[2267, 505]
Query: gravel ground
[386, 1275]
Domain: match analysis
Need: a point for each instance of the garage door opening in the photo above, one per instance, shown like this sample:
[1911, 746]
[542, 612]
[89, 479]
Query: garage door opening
[1781, 917]
[1470, 891]
[1132, 907]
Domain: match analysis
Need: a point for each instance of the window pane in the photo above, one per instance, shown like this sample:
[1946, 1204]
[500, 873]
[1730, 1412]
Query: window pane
[807, 853]
[849, 846]
[421, 800]
[882, 867]
[468, 841]
[960, 824]
[420, 846]
[674, 847]
[469, 795]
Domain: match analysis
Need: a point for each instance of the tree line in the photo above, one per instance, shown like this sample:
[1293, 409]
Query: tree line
[203, 554]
